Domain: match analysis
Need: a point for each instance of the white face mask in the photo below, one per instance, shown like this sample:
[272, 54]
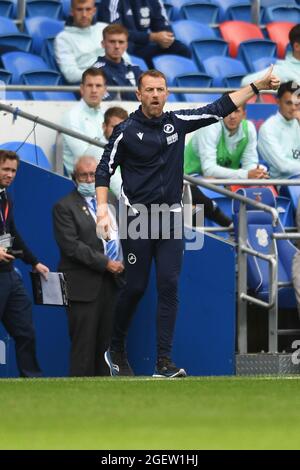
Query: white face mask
[86, 189]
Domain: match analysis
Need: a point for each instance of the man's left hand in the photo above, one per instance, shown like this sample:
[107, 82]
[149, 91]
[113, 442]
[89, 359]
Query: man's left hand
[41, 269]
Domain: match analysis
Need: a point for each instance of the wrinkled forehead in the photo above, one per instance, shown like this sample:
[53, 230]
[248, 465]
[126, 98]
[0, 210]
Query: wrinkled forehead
[153, 82]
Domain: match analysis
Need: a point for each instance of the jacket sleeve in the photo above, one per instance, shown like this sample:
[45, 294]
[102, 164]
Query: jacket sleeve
[159, 18]
[111, 158]
[19, 244]
[69, 243]
[65, 59]
[192, 119]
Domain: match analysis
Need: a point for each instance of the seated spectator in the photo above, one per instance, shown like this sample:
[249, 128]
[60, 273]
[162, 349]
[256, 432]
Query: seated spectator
[118, 72]
[85, 117]
[112, 117]
[287, 69]
[279, 135]
[226, 149]
[150, 33]
[77, 46]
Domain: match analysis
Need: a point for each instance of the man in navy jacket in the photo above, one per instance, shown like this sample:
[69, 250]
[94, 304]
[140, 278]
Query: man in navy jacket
[15, 305]
[149, 148]
[117, 71]
[150, 33]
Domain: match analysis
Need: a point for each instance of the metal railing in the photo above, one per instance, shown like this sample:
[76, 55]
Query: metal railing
[244, 251]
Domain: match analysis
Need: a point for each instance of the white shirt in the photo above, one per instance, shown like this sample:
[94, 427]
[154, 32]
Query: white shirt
[205, 142]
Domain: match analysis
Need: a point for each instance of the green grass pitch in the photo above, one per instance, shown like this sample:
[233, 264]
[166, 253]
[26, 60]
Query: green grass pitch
[140, 413]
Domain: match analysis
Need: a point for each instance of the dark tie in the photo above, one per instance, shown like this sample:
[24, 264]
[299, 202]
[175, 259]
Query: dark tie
[94, 204]
[112, 250]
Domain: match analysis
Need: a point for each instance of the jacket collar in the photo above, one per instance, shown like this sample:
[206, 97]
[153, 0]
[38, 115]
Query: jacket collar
[153, 122]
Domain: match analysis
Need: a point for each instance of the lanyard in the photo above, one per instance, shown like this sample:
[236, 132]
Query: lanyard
[4, 216]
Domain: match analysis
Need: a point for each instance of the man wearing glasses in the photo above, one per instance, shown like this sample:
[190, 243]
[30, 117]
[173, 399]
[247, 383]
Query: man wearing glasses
[91, 267]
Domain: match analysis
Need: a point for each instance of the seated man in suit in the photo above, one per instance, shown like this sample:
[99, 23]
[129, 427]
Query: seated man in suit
[91, 267]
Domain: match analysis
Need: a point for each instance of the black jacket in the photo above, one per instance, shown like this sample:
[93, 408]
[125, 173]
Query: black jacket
[18, 243]
[122, 74]
[138, 16]
[150, 152]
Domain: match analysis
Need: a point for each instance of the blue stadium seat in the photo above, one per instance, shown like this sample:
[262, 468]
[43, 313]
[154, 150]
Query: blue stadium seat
[282, 12]
[49, 8]
[225, 5]
[29, 153]
[206, 48]
[173, 65]
[169, 10]
[15, 95]
[47, 53]
[188, 31]
[193, 80]
[239, 12]
[46, 77]
[292, 192]
[40, 28]
[7, 8]
[204, 12]
[262, 63]
[138, 61]
[11, 36]
[285, 210]
[5, 76]
[250, 51]
[260, 231]
[220, 67]
[19, 63]
[66, 4]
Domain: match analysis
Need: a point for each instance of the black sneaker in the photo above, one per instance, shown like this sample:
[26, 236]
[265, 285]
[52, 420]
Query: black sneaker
[118, 364]
[165, 368]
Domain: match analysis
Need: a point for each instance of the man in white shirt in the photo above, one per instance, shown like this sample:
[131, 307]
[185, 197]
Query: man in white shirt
[85, 117]
[226, 149]
[279, 136]
[78, 45]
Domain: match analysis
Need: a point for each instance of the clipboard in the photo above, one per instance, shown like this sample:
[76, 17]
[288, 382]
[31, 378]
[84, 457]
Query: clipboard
[50, 292]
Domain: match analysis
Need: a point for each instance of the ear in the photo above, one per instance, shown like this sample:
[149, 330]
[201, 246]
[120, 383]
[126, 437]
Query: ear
[138, 95]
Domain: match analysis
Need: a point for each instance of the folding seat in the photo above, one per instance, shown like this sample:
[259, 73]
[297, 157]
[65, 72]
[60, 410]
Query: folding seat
[220, 67]
[19, 63]
[193, 80]
[205, 48]
[282, 12]
[15, 95]
[29, 153]
[135, 60]
[11, 36]
[49, 8]
[204, 12]
[226, 5]
[5, 76]
[262, 63]
[254, 49]
[240, 12]
[66, 4]
[46, 77]
[188, 31]
[260, 239]
[169, 10]
[173, 65]
[41, 28]
[292, 192]
[6, 8]
[235, 32]
[279, 33]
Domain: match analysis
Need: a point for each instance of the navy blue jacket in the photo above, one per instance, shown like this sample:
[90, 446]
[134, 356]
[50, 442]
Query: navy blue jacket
[122, 74]
[150, 152]
[140, 17]
[18, 243]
